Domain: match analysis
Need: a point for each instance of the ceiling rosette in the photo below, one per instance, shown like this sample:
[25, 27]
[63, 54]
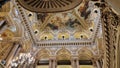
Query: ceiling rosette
[49, 6]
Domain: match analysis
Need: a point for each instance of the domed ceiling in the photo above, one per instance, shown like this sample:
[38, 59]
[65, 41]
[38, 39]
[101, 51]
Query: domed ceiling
[49, 5]
[78, 23]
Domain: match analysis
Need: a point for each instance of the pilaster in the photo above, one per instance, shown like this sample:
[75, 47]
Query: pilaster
[52, 62]
[75, 62]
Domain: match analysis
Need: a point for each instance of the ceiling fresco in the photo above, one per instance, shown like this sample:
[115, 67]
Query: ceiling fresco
[63, 21]
[55, 35]
[78, 23]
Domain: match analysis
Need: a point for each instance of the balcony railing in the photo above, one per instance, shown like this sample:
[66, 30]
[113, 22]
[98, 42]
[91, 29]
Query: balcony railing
[82, 42]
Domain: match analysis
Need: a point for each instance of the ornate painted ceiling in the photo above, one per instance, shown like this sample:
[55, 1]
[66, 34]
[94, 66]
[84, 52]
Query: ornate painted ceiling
[54, 28]
[49, 5]
[78, 23]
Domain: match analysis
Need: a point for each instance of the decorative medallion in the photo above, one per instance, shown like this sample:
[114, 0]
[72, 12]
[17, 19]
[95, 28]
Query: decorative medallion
[49, 6]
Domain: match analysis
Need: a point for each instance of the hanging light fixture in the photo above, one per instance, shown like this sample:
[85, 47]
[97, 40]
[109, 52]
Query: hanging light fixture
[49, 6]
[21, 59]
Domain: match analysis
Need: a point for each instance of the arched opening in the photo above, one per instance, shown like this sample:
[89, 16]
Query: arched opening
[43, 63]
[46, 36]
[80, 35]
[63, 35]
[63, 59]
[85, 57]
[42, 60]
[85, 64]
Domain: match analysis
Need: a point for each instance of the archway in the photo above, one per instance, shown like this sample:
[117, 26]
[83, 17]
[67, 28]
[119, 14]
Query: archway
[42, 59]
[63, 58]
[85, 56]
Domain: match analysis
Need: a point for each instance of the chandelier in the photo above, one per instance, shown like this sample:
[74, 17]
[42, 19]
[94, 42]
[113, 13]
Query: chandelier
[49, 6]
[21, 59]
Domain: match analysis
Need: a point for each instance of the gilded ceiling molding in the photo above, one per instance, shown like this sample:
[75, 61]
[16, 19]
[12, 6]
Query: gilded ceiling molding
[49, 6]
[25, 22]
[111, 22]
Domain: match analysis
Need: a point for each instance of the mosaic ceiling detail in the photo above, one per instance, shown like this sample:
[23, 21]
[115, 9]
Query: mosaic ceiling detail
[78, 23]
[49, 5]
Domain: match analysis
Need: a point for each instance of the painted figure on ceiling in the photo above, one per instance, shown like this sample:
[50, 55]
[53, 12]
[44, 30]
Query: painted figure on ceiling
[63, 21]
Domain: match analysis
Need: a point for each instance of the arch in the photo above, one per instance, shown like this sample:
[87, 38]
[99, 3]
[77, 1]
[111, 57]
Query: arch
[85, 54]
[63, 54]
[14, 21]
[19, 28]
[63, 35]
[80, 35]
[46, 36]
[16, 26]
[43, 54]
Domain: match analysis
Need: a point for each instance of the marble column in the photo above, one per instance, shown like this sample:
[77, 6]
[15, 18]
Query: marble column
[52, 62]
[75, 62]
